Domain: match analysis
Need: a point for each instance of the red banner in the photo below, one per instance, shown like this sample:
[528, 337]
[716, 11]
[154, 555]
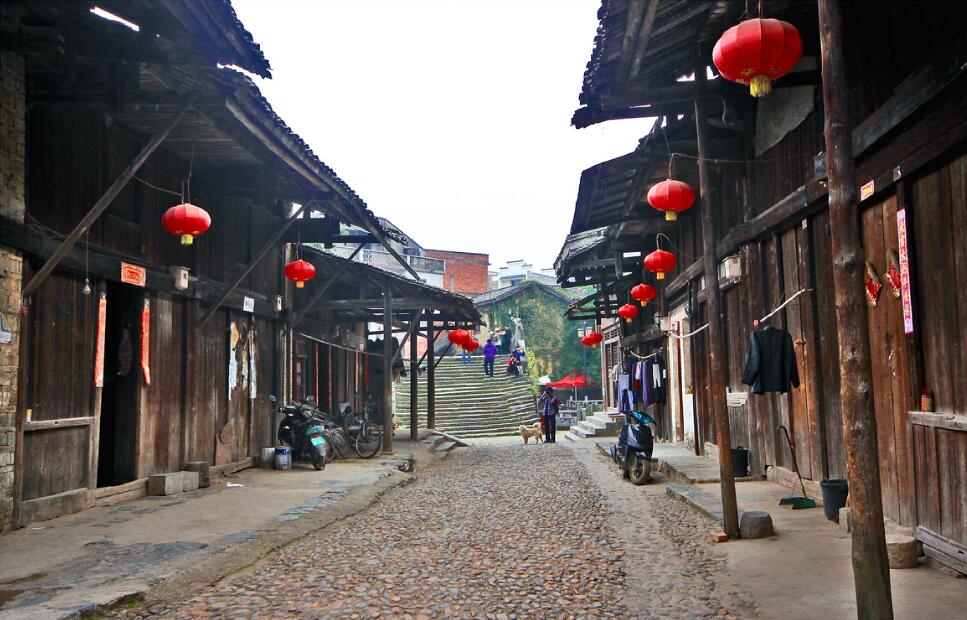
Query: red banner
[146, 340]
[99, 344]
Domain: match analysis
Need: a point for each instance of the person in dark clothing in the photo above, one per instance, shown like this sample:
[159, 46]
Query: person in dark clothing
[505, 340]
[490, 354]
[549, 405]
[771, 365]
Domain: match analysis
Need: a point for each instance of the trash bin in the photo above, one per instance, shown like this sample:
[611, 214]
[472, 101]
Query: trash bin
[283, 458]
[835, 492]
[740, 462]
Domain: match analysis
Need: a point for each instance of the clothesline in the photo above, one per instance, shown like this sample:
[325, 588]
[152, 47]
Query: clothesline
[339, 346]
[689, 334]
[780, 307]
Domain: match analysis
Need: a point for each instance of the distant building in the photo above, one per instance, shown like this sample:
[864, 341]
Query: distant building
[517, 271]
[431, 270]
[465, 273]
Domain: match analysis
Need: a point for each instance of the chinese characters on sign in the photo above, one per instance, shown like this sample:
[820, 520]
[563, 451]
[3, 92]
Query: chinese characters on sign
[901, 230]
[133, 274]
[99, 347]
[146, 341]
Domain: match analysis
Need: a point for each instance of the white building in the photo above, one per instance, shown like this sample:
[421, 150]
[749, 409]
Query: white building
[517, 271]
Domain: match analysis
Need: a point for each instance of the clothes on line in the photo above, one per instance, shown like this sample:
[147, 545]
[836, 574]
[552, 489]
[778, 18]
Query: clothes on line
[639, 382]
[771, 365]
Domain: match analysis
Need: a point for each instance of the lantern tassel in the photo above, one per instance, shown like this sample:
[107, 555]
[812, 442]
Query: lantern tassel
[643, 303]
[660, 275]
[670, 216]
[300, 284]
[760, 86]
[187, 239]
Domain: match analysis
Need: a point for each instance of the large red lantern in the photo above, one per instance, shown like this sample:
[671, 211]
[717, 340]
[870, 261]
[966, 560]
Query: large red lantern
[586, 340]
[596, 338]
[644, 293]
[300, 272]
[756, 52]
[459, 337]
[186, 220]
[471, 345]
[628, 312]
[659, 262]
[672, 197]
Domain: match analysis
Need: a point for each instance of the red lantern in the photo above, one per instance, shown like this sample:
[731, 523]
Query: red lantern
[186, 220]
[596, 339]
[459, 337]
[628, 312]
[671, 196]
[756, 52]
[659, 262]
[644, 293]
[300, 272]
[586, 340]
[471, 345]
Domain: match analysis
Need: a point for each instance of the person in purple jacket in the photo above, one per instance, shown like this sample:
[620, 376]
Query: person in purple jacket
[490, 354]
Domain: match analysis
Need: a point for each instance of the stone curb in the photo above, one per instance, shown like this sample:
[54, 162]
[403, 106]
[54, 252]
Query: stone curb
[207, 571]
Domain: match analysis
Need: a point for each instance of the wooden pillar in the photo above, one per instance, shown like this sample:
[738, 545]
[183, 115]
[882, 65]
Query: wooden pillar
[871, 572]
[430, 376]
[414, 383]
[716, 347]
[387, 370]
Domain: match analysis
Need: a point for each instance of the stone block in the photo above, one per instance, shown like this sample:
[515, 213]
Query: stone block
[189, 480]
[902, 551]
[202, 467]
[845, 520]
[755, 524]
[165, 484]
[720, 537]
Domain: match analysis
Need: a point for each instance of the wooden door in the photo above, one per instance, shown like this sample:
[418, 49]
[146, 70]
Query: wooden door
[58, 414]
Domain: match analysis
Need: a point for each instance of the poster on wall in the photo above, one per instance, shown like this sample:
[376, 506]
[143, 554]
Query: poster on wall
[145, 341]
[99, 343]
[901, 230]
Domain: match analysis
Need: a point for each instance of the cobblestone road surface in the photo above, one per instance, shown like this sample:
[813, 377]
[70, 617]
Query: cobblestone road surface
[497, 531]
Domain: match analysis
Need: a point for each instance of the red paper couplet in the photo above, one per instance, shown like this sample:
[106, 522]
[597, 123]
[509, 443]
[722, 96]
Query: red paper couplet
[145, 340]
[99, 344]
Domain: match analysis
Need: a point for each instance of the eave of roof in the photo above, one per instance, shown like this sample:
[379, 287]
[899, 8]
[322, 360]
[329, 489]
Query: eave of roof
[502, 294]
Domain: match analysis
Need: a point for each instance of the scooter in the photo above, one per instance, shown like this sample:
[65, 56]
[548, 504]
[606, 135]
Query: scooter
[633, 451]
[302, 429]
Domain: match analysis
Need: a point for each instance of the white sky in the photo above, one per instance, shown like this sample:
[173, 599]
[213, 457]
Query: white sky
[450, 118]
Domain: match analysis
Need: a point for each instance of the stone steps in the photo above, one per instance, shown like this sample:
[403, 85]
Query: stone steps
[598, 425]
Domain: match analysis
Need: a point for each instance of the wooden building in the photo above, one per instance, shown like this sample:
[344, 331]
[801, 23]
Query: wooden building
[767, 197]
[125, 353]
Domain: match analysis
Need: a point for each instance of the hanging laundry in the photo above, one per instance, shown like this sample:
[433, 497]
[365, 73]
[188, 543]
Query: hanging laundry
[654, 379]
[771, 365]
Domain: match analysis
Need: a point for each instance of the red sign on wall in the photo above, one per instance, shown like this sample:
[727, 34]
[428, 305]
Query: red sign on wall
[146, 340]
[905, 298]
[99, 345]
[133, 274]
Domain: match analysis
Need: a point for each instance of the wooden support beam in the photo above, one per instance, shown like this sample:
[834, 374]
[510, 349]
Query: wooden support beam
[716, 345]
[399, 303]
[325, 287]
[104, 201]
[871, 569]
[414, 390]
[410, 335]
[445, 353]
[267, 247]
[431, 378]
[388, 369]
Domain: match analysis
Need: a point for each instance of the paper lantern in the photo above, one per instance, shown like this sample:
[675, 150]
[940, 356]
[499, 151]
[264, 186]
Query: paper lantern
[628, 312]
[660, 262]
[586, 340]
[596, 338]
[672, 197]
[459, 337]
[471, 345]
[186, 220]
[300, 272]
[644, 293]
[757, 52]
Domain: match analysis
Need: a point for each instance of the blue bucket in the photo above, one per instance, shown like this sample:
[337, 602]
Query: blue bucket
[283, 458]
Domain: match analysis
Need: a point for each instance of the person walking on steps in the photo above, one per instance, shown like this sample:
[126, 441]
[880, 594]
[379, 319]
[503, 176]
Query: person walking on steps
[549, 405]
[490, 354]
[465, 356]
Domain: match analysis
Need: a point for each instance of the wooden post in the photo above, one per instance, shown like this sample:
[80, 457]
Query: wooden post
[387, 369]
[414, 385]
[871, 571]
[716, 347]
[430, 377]
[104, 202]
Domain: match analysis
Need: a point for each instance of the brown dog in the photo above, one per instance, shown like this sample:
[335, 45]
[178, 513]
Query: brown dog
[526, 432]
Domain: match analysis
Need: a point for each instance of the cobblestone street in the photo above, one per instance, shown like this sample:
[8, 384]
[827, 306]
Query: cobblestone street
[499, 531]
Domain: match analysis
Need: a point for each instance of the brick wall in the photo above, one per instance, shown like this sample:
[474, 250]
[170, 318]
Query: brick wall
[466, 271]
[12, 205]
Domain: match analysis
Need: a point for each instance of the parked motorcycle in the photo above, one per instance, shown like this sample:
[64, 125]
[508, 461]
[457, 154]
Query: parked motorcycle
[302, 428]
[634, 449]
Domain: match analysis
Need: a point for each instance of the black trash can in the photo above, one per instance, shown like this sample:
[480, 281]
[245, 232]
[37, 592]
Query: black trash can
[835, 492]
[740, 462]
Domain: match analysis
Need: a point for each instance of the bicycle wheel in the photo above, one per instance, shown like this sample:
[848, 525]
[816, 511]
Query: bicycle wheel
[369, 440]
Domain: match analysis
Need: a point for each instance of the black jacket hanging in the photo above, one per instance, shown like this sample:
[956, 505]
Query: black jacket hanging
[771, 366]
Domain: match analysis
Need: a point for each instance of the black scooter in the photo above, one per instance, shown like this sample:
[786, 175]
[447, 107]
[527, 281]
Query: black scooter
[302, 429]
[633, 452]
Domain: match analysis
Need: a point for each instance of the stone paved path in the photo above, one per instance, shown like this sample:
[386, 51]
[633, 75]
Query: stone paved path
[498, 531]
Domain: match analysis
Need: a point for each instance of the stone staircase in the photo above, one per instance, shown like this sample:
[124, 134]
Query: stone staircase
[470, 404]
[598, 425]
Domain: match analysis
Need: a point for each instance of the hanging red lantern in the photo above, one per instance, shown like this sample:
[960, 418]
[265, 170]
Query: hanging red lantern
[659, 262]
[644, 293]
[459, 337]
[672, 197]
[757, 52]
[186, 220]
[471, 345]
[628, 312]
[300, 272]
[596, 339]
[586, 340]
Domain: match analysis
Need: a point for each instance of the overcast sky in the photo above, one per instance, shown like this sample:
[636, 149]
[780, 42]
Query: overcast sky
[451, 118]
